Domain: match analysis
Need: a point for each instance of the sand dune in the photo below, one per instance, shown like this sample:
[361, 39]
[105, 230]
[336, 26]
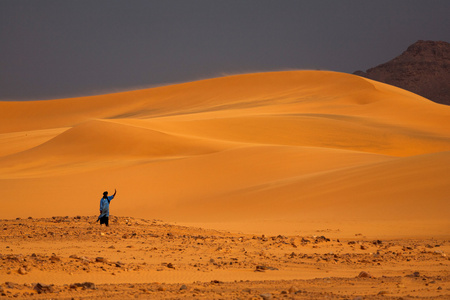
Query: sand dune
[268, 148]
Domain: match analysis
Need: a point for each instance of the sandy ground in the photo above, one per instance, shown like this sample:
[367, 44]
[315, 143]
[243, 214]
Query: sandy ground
[74, 257]
[246, 171]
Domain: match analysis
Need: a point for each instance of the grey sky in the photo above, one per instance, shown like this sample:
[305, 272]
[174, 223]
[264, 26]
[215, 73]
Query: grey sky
[56, 49]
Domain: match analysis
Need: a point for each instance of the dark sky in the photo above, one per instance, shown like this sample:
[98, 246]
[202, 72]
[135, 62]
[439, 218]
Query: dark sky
[56, 49]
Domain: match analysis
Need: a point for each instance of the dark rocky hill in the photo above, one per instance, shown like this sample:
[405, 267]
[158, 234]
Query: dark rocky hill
[424, 69]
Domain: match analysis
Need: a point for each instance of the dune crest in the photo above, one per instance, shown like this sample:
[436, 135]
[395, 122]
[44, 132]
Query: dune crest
[289, 146]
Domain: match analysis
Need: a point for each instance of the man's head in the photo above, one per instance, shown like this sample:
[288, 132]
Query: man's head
[105, 194]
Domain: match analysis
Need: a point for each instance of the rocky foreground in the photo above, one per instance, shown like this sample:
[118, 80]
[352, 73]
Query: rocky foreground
[74, 257]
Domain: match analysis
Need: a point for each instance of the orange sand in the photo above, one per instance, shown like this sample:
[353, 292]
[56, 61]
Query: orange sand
[283, 152]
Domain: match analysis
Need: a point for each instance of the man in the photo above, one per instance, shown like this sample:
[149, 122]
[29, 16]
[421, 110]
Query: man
[104, 208]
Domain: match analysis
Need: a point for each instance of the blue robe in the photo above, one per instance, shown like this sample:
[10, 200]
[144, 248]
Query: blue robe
[104, 206]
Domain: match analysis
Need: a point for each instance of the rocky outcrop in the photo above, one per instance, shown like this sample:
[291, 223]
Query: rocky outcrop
[424, 69]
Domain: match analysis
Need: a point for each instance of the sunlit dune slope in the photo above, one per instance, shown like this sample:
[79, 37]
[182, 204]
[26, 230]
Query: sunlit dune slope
[276, 146]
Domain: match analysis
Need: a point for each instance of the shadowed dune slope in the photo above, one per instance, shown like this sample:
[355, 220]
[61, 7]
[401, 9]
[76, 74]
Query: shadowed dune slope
[289, 146]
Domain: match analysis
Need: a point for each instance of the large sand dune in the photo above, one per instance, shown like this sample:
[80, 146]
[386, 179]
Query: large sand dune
[287, 151]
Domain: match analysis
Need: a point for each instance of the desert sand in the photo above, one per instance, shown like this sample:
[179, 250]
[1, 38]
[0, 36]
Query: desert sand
[266, 183]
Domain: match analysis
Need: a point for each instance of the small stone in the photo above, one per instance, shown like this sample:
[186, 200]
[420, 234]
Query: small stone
[84, 285]
[216, 281]
[102, 260]
[266, 296]
[22, 271]
[264, 268]
[183, 287]
[55, 258]
[292, 290]
[43, 288]
[170, 266]
[119, 264]
[364, 274]
[161, 289]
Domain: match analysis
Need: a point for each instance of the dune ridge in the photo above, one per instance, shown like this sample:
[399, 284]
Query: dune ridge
[291, 146]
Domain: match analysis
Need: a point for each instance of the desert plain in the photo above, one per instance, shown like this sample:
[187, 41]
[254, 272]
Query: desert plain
[295, 184]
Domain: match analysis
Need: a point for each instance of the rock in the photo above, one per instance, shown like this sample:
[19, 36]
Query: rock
[421, 69]
[363, 247]
[74, 256]
[55, 258]
[262, 268]
[305, 241]
[119, 264]
[364, 274]
[216, 281]
[84, 259]
[170, 266]
[183, 287]
[11, 285]
[102, 260]
[43, 288]
[266, 296]
[415, 274]
[321, 239]
[22, 271]
[84, 285]
[292, 290]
